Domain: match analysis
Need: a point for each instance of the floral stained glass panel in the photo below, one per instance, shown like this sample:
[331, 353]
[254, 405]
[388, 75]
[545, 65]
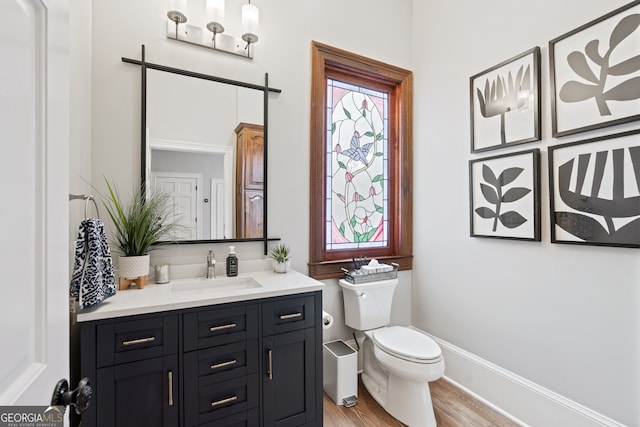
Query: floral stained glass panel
[357, 167]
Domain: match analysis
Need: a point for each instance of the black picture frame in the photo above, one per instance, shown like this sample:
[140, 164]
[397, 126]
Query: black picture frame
[505, 103]
[512, 179]
[598, 201]
[595, 73]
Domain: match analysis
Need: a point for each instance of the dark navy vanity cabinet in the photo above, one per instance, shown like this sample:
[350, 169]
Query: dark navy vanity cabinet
[250, 363]
[291, 337]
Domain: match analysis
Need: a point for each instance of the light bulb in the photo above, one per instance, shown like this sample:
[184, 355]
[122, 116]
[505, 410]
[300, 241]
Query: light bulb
[215, 16]
[250, 17]
[178, 6]
[215, 11]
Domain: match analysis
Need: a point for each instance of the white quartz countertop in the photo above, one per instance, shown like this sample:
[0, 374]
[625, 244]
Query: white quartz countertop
[198, 292]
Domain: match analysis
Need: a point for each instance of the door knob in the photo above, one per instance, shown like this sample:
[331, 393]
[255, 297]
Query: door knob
[79, 398]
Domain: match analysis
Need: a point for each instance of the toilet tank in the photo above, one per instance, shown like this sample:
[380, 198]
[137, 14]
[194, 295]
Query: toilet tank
[368, 305]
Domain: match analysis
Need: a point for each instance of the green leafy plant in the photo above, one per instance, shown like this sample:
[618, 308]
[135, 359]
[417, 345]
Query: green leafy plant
[280, 253]
[140, 223]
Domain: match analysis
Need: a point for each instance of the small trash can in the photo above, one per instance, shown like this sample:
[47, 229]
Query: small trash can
[340, 377]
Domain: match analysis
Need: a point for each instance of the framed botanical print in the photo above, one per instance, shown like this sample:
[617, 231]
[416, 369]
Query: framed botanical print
[595, 73]
[595, 191]
[505, 196]
[505, 103]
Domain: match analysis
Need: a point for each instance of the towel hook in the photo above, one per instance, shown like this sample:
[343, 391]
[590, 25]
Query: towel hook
[87, 198]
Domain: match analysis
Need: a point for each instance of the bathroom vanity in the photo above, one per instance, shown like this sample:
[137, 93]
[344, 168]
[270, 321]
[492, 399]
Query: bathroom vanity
[244, 351]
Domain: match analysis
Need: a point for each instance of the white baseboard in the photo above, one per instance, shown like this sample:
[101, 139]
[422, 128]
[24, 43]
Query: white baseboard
[519, 399]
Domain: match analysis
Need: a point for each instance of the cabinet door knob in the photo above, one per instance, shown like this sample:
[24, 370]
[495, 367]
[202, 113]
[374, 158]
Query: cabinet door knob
[223, 327]
[223, 401]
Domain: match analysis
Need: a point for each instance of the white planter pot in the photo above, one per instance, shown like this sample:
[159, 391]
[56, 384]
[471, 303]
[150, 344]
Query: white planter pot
[132, 267]
[281, 267]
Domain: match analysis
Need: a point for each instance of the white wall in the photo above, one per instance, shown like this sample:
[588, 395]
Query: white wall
[562, 316]
[79, 112]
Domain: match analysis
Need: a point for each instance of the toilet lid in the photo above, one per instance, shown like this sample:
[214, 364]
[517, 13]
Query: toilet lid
[407, 343]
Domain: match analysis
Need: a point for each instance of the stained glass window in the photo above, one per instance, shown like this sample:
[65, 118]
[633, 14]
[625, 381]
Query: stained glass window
[357, 167]
[360, 162]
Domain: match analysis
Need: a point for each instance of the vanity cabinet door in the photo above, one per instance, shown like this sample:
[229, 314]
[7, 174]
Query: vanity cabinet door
[133, 366]
[292, 361]
[142, 393]
[289, 378]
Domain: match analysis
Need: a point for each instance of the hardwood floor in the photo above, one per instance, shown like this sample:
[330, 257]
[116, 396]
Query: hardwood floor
[452, 406]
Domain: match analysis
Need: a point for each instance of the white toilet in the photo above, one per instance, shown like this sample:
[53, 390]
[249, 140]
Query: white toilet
[398, 362]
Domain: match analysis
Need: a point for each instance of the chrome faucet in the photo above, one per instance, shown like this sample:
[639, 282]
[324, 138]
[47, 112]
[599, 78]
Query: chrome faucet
[211, 265]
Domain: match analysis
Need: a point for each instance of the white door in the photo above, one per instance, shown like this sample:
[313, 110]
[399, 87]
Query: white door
[34, 121]
[184, 189]
[218, 220]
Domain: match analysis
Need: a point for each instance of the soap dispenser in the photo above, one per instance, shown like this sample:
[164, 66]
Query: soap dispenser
[232, 262]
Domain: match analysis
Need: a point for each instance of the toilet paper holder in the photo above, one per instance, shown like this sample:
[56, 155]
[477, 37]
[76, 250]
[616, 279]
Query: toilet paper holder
[327, 320]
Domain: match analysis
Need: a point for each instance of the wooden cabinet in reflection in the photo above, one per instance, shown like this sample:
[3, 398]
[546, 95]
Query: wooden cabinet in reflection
[249, 180]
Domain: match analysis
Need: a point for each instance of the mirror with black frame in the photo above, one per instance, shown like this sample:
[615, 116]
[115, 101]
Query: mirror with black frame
[204, 142]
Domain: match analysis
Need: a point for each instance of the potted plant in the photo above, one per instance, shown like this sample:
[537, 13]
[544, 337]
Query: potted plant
[281, 258]
[139, 224]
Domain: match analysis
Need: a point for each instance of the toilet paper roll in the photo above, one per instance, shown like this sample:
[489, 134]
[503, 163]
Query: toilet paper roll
[327, 320]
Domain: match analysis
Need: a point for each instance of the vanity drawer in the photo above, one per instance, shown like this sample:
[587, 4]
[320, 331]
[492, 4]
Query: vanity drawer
[225, 362]
[210, 403]
[136, 338]
[250, 418]
[220, 325]
[288, 314]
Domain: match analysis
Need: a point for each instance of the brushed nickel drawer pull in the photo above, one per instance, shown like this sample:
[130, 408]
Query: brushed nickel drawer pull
[170, 388]
[290, 316]
[223, 401]
[222, 327]
[224, 364]
[270, 368]
[138, 341]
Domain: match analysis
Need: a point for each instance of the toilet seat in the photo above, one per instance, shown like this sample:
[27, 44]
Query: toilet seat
[407, 344]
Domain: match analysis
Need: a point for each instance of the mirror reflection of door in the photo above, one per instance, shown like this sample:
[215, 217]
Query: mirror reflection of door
[191, 126]
[184, 190]
[212, 212]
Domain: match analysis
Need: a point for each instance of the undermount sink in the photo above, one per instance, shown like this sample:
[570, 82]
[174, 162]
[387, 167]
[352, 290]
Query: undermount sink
[225, 284]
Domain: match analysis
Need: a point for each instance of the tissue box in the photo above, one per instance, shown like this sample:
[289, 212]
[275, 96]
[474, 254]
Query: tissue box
[370, 269]
[378, 268]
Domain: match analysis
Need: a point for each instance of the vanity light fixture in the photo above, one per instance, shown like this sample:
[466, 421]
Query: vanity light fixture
[213, 35]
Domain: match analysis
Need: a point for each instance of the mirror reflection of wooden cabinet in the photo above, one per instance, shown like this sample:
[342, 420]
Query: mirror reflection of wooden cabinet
[249, 180]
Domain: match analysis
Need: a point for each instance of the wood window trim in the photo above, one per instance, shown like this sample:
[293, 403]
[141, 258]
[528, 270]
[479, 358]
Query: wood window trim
[325, 57]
